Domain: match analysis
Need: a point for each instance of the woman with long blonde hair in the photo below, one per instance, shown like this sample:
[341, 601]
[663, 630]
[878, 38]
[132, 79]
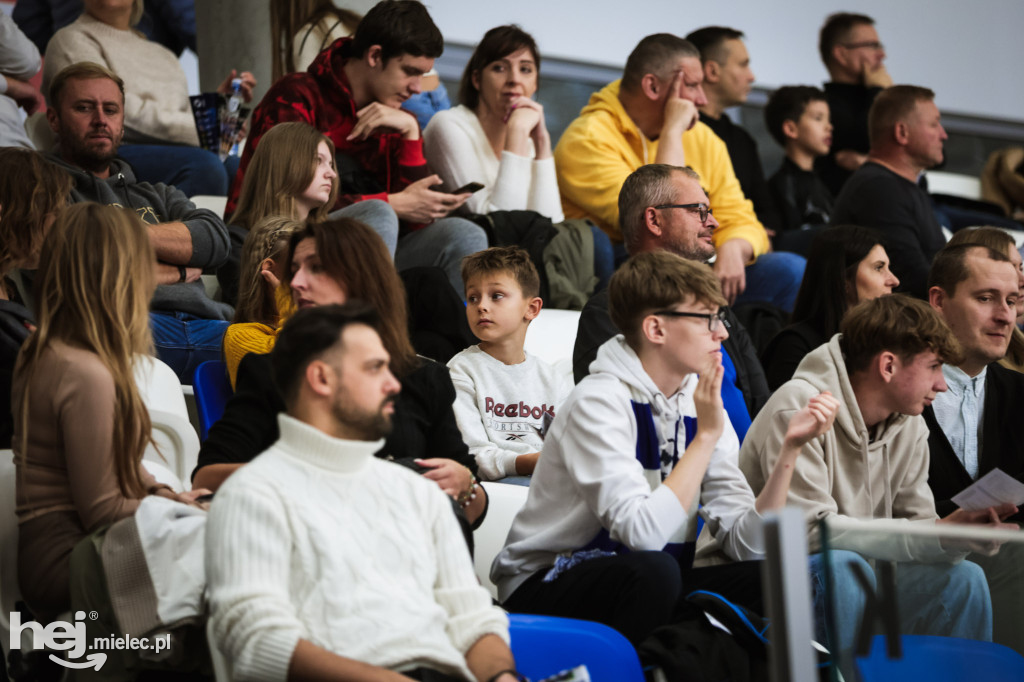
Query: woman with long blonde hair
[80, 424]
[292, 174]
[263, 304]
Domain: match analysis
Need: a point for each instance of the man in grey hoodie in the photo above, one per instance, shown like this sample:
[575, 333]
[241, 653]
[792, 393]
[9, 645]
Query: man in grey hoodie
[87, 115]
[885, 366]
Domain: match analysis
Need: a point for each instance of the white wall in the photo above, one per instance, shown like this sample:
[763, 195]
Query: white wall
[970, 52]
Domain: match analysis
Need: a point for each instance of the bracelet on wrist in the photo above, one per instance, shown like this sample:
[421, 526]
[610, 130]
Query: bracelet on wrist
[467, 496]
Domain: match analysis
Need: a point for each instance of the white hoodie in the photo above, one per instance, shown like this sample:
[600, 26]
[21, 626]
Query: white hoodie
[590, 479]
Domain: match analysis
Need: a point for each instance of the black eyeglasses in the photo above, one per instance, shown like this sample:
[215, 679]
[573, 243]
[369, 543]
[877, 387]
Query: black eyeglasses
[715, 320]
[703, 210]
[872, 44]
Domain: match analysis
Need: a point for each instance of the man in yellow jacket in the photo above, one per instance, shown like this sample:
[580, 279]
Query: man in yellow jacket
[651, 116]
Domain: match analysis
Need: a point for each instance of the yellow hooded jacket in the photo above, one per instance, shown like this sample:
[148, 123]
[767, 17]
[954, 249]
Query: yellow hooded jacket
[599, 150]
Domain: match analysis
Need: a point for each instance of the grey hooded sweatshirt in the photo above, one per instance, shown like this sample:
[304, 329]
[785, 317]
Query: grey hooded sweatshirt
[844, 472]
[155, 204]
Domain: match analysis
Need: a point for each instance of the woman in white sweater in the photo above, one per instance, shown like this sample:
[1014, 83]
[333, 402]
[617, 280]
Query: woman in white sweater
[161, 142]
[497, 136]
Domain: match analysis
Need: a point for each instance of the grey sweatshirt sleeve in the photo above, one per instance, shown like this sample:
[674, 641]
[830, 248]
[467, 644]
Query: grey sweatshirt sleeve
[210, 241]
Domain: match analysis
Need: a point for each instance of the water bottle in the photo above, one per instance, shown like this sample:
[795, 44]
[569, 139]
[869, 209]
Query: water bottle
[230, 126]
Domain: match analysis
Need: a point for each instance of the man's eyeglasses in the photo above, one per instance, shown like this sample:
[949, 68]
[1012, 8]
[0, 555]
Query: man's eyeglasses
[872, 44]
[703, 210]
[715, 320]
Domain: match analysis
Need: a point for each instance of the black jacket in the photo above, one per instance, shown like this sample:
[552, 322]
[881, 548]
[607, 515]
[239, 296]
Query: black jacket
[1002, 444]
[423, 424]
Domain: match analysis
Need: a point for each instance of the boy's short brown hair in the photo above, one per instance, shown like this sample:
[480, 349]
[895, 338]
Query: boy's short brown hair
[899, 324]
[510, 259]
[655, 280]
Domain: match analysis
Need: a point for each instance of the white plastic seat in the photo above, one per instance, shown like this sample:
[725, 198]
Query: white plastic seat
[505, 501]
[214, 203]
[9, 590]
[954, 184]
[552, 336]
[175, 437]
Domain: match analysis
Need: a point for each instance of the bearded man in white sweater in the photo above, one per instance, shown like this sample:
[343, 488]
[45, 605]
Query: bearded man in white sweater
[324, 562]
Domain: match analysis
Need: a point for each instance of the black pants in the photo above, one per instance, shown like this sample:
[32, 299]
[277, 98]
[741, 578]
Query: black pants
[636, 592]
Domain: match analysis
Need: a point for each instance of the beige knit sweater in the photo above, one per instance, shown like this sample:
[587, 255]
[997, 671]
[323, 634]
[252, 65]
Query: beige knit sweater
[156, 107]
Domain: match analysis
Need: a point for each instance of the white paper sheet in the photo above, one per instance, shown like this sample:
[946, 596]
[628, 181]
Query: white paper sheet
[994, 488]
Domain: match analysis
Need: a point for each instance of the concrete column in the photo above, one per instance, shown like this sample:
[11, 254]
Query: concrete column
[233, 34]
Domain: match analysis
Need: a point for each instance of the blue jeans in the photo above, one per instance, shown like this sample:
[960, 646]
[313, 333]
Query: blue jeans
[378, 215]
[951, 600]
[184, 341]
[442, 244]
[192, 170]
[774, 278]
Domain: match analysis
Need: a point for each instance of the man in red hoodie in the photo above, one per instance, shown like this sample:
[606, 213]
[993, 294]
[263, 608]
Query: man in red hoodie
[352, 93]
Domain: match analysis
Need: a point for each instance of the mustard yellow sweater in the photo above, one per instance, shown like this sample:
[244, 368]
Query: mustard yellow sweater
[599, 150]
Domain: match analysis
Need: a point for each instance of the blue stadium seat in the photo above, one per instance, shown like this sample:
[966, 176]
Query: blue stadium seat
[213, 390]
[545, 645]
[941, 659]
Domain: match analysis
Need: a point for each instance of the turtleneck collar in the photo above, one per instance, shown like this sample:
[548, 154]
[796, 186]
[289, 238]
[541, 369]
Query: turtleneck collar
[309, 444]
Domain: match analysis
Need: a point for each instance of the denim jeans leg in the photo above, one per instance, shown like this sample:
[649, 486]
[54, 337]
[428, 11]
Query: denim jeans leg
[190, 169]
[184, 342]
[950, 600]
[443, 244]
[843, 602]
[774, 278]
[378, 215]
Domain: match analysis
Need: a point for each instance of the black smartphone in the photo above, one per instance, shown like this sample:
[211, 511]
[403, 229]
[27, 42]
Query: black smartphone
[205, 498]
[470, 187]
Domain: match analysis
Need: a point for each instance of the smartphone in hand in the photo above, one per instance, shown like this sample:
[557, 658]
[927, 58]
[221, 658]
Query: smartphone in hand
[470, 187]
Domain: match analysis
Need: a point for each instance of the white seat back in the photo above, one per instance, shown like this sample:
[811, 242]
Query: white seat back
[955, 184]
[176, 439]
[505, 501]
[9, 590]
[551, 337]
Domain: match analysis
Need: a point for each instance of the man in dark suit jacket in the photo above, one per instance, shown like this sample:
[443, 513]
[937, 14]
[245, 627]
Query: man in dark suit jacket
[975, 425]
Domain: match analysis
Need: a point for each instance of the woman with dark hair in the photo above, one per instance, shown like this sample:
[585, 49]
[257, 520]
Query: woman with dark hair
[334, 262]
[497, 135]
[847, 264]
[32, 191]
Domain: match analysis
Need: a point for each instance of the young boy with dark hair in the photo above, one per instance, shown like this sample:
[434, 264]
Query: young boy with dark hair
[797, 117]
[504, 397]
[608, 528]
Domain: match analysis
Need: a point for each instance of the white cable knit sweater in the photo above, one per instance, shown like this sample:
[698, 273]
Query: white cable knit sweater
[156, 105]
[318, 540]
